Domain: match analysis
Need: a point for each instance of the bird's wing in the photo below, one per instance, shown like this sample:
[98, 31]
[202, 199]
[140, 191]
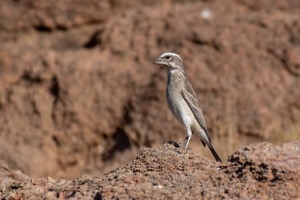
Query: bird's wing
[190, 98]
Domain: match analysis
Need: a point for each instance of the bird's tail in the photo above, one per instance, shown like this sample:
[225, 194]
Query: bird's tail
[214, 153]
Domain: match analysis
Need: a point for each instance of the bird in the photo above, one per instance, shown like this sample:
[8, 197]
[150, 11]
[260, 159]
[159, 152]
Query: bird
[183, 102]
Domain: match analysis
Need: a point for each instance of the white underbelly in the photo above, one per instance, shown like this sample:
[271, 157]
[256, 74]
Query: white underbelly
[181, 110]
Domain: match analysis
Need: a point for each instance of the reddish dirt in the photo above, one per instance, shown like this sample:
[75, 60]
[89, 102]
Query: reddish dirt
[259, 171]
[79, 93]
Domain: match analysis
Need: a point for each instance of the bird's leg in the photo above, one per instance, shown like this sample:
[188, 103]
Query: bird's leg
[186, 141]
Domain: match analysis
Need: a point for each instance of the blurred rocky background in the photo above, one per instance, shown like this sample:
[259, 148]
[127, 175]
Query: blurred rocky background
[79, 93]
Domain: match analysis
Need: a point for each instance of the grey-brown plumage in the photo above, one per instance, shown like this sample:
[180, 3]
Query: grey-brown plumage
[183, 102]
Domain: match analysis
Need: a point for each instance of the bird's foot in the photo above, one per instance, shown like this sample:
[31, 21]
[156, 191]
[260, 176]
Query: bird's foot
[174, 143]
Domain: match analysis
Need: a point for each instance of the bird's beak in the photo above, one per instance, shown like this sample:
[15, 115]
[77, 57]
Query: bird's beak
[158, 61]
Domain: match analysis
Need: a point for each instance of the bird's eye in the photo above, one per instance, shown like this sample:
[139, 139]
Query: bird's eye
[167, 57]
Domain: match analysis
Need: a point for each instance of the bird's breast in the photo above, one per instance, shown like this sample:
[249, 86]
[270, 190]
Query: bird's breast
[178, 106]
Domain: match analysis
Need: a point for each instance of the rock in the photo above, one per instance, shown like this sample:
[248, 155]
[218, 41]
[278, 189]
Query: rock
[8, 176]
[258, 171]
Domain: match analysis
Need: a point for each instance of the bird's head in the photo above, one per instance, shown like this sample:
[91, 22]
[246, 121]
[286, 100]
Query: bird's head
[170, 60]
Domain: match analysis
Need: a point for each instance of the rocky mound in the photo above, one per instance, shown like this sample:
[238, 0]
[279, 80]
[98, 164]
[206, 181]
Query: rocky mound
[260, 171]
